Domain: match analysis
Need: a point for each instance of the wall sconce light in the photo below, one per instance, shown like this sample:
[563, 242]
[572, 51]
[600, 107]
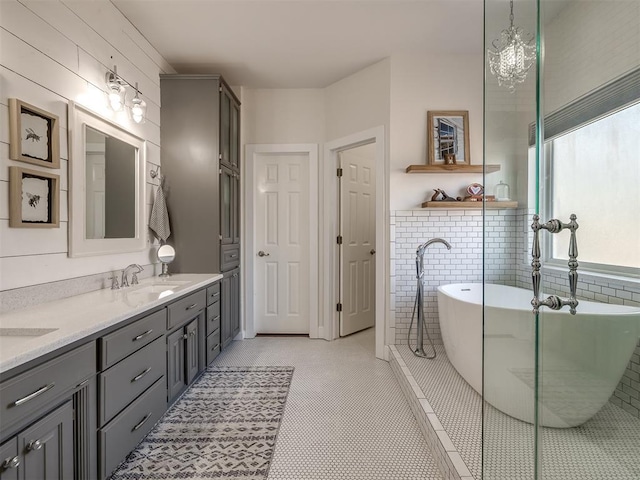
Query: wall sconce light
[138, 107]
[115, 89]
[116, 93]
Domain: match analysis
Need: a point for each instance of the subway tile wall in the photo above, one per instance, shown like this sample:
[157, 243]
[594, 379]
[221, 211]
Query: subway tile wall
[463, 230]
[508, 262]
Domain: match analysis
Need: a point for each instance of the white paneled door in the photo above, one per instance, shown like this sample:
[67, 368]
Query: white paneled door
[357, 219]
[282, 253]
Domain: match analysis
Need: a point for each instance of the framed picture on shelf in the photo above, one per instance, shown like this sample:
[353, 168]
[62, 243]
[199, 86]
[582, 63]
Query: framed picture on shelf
[448, 137]
[34, 199]
[34, 135]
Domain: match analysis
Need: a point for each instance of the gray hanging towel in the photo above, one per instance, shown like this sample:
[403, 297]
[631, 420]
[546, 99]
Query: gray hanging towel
[159, 221]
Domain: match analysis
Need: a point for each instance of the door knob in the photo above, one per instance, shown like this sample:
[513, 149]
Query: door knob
[262, 254]
[372, 252]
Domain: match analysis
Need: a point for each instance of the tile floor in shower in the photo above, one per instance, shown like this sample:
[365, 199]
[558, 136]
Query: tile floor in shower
[345, 418]
[605, 447]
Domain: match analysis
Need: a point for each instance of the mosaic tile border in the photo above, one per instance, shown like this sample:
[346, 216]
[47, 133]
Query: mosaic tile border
[447, 457]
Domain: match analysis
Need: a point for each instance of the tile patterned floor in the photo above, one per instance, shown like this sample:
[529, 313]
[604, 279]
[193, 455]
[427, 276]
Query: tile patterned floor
[345, 417]
[607, 447]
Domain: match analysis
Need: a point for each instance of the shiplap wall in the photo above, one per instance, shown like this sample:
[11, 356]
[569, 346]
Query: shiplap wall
[51, 53]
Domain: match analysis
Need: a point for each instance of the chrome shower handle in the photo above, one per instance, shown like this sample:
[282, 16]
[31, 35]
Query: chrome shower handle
[554, 226]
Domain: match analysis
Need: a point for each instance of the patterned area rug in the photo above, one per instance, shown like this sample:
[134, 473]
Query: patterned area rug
[225, 426]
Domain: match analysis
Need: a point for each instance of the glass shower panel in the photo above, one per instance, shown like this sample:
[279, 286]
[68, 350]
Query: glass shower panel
[509, 342]
[588, 376]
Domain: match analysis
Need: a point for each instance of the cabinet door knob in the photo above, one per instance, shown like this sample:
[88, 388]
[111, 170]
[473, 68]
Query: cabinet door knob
[11, 463]
[34, 445]
[372, 251]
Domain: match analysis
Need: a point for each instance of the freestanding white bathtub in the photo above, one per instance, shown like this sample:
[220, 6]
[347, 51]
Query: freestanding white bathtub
[582, 357]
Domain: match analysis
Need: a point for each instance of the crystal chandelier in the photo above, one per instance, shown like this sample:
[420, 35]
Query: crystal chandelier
[512, 55]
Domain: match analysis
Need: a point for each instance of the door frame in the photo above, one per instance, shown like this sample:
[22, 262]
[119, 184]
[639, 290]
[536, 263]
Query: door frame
[310, 149]
[330, 226]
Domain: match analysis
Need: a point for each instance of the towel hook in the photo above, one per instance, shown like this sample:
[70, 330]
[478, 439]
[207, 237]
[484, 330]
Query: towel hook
[156, 173]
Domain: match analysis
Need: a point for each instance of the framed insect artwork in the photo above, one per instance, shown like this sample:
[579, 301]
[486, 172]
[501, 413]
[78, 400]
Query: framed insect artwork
[34, 199]
[34, 135]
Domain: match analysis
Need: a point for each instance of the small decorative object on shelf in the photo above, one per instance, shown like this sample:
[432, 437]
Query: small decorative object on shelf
[450, 159]
[475, 189]
[479, 198]
[441, 196]
[502, 192]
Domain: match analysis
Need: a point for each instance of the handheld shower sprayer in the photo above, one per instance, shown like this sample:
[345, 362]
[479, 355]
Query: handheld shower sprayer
[419, 303]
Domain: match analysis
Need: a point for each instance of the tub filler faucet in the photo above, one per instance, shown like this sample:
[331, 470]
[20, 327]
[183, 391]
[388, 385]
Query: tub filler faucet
[419, 303]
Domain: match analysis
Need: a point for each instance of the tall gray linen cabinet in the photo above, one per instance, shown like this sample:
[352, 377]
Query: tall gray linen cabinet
[200, 156]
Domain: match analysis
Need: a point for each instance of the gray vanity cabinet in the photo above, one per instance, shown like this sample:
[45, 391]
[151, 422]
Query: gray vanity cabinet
[183, 356]
[200, 155]
[229, 199]
[229, 128]
[214, 316]
[47, 446]
[43, 451]
[199, 131]
[48, 419]
[10, 461]
[176, 371]
[230, 306]
[132, 387]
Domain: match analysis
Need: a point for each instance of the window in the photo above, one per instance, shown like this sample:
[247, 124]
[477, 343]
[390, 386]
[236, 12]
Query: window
[594, 172]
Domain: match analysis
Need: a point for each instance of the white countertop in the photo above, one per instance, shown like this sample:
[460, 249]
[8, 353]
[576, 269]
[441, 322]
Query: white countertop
[80, 316]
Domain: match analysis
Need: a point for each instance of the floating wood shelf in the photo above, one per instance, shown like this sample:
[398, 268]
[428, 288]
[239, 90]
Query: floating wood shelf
[451, 168]
[470, 205]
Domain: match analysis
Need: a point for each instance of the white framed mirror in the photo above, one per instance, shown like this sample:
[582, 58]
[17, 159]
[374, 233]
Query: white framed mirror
[106, 186]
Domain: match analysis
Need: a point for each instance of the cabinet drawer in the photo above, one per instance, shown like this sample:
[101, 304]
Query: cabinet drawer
[213, 318]
[213, 346]
[123, 382]
[230, 256]
[125, 431]
[117, 345]
[186, 308]
[213, 293]
[40, 386]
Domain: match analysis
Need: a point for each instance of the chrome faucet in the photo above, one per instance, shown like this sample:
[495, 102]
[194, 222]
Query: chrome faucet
[134, 275]
[418, 305]
[420, 254]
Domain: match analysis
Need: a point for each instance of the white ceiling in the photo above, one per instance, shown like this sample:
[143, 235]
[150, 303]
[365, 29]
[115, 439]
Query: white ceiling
[301, 43]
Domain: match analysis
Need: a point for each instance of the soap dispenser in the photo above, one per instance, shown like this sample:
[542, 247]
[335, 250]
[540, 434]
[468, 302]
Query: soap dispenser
[502, 192]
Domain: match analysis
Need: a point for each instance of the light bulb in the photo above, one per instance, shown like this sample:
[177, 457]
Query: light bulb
[116, 98]
[138, 108]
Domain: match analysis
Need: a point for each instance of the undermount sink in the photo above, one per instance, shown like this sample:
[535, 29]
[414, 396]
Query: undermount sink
[25, 332]
[153, 291]
[156, 288]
